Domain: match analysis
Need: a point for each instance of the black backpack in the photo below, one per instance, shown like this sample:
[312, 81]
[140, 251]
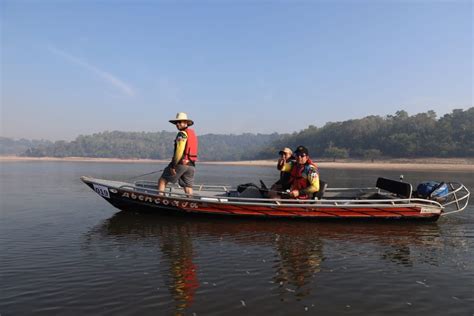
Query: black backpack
[241, 187]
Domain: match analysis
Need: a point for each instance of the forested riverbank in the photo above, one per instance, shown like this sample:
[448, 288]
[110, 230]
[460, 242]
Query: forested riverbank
[373, 138]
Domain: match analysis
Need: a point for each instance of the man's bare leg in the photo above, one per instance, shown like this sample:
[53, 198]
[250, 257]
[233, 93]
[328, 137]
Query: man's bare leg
[188, 190]
[161, 185]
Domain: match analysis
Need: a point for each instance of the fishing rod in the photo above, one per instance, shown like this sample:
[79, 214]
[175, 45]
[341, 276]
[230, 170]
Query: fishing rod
[264, 188]
[274, 191]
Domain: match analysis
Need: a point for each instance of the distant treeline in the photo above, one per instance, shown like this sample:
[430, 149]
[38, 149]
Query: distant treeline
[10, 146]
[155, 146]
[372, 137]
[399, 135]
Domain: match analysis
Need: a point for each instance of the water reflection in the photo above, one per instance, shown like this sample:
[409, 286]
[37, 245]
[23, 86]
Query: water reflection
[300, 247]
[400, 254]
[300, 260]
[177, 249]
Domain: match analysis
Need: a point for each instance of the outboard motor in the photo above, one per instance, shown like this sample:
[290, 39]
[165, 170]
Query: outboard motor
[432, 190]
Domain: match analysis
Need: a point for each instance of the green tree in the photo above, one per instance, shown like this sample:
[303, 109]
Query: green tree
[372, 154]
[336, 153]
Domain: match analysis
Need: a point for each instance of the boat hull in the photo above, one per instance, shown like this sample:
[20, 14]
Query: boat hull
[128, 200]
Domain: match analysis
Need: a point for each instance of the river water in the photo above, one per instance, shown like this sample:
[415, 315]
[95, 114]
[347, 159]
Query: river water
[66, 251]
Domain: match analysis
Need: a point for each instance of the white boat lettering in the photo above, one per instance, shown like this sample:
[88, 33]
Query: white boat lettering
[193, 205]
[149, 199]
[102, 190]
[427, 210]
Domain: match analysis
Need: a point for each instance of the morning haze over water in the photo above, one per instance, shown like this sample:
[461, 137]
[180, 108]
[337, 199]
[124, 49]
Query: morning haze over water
[67, 251]
[371, 81]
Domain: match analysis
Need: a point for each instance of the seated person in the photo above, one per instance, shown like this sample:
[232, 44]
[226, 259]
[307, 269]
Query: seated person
[303, 175]
[283, 184]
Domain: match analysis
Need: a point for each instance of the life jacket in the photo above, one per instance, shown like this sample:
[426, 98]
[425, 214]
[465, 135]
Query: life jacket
[297, 181]
[191, 149]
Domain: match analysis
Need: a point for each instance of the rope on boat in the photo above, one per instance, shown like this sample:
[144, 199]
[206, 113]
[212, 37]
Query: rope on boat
[145, 174]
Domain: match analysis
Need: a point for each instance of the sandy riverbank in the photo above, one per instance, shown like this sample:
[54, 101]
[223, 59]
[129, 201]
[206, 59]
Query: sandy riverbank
[440, 164]
[451, 164]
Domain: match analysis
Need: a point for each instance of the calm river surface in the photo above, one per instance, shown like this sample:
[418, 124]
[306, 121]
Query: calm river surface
[66, 251]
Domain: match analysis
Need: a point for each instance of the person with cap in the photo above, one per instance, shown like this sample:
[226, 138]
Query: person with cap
[182, 165]
[304, 175]
[283, 184]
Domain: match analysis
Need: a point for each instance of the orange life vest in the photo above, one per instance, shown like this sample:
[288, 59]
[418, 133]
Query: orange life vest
[297, 181]
[191, 149]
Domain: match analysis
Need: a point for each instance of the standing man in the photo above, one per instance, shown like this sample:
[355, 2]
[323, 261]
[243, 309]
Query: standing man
[182, 164]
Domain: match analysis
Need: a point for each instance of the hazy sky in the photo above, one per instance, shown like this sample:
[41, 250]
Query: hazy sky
[80, 67]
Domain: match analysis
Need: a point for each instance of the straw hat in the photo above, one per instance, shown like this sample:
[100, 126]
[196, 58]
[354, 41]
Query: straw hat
[181, 116]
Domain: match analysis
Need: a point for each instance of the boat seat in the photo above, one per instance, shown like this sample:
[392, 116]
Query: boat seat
[401, 189]
[322, 187]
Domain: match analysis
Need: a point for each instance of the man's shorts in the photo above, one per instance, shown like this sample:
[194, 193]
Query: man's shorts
[184, 173]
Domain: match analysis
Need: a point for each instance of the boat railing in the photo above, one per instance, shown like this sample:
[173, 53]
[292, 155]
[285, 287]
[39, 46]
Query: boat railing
[151, 185]
[456, 200]
[360, 203]
[349, 192]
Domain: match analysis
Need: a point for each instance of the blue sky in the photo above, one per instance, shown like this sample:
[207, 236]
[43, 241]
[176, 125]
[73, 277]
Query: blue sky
[81, 67]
